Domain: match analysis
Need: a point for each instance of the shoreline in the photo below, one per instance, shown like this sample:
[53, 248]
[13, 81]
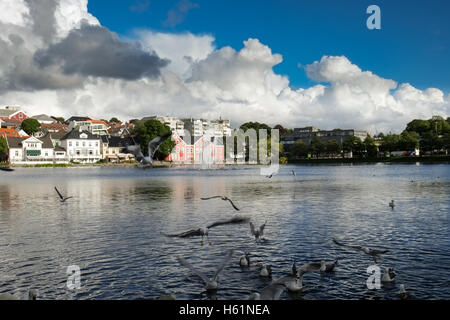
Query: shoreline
[161, 164]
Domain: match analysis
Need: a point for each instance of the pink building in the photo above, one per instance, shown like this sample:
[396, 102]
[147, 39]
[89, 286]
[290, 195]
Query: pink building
[192, 151]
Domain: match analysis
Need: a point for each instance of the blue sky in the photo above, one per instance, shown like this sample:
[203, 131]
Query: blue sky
[412, 45]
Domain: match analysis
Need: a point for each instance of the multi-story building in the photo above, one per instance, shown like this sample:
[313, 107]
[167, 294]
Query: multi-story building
[31, 150]
[306, 134]
[114, 149]
[12, 113]
[175, 124]
[96, 127]
[82, 146]
[198, 150]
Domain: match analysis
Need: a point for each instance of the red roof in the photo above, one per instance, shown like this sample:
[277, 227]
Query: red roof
[9, 133]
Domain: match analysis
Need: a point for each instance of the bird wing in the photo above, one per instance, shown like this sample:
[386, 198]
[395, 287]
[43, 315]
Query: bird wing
[233, 204]
[252, 228]
[261, 229]
[272, 291]
[155, 143]
[224, 263]
[234, 220]
[214, 197]
[347, 245]
[59, 194]
[183, 262]
[310, 267]
[377, 251]
[136, 151]
[187, 234]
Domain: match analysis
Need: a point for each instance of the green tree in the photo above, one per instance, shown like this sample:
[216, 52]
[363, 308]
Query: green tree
[59, 119]
[317, 147]
[299, 149]
[333, 147]
[352, 144]
[408, 141]
[431, 142]
[3, 149]
[147, 131]
[257, 126]
[446, 141]
[370, 146]
[114, 119]
[30, 126]
[419, 126]
[390, 142]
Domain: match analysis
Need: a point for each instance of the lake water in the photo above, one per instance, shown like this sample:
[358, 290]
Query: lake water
[113, 229]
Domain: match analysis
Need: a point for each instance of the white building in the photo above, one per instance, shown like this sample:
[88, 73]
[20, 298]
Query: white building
[82, 146]
[31, 150]
[96, 127]
[44, 119]
[175, 124]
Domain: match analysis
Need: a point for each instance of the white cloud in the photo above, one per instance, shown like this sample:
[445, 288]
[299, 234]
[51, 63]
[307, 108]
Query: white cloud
[202, 81]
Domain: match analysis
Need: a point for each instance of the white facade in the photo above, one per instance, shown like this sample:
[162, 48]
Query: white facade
[32, 151]
[82, 148]
[93, 126]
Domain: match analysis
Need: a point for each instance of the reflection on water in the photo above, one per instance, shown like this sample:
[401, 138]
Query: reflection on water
[113, 229]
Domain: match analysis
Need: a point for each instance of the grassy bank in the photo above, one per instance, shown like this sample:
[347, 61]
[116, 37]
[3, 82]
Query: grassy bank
[424, 159]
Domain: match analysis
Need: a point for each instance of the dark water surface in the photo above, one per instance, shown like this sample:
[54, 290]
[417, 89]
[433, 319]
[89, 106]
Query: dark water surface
[112, 229]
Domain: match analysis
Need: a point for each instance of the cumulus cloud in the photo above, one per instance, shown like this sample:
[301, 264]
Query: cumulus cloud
[76, 66]
[96, 51]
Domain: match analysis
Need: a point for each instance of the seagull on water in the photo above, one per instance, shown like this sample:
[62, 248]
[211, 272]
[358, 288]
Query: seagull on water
[258, 233]
[388, 275]
[204, 231]
[210, 284]
[61, 197]
[374, 253]
[403, 294]
[145, 162]
[244, 260]
[392, 204]
[271, 292]
[265, 271]
[224, 198]
[32, 295]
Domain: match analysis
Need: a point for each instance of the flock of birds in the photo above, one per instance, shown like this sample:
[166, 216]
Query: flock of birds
[292, 282]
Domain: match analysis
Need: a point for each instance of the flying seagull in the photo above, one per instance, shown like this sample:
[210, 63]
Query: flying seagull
[203, 231]
[153, 146]
[61, 197]
[210, 284]
[374, 253]
[259, 232]
[6, 169]
[224, 198]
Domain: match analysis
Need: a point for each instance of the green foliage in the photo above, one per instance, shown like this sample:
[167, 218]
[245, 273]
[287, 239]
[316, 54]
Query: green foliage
[371, 148]
[333, 147]
[317, 147]
[3, 149]
[30, 126]
[446, 141]
[147, 131]
[114, 119]
[299, 149]
[352, 144]
[59, 119]
[390, 142]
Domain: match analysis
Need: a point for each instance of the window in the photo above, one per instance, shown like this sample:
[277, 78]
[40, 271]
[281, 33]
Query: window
[77, 144]
[17, 153]
[84, 144]
[90, 152]
[70, 143]
[78, 152]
